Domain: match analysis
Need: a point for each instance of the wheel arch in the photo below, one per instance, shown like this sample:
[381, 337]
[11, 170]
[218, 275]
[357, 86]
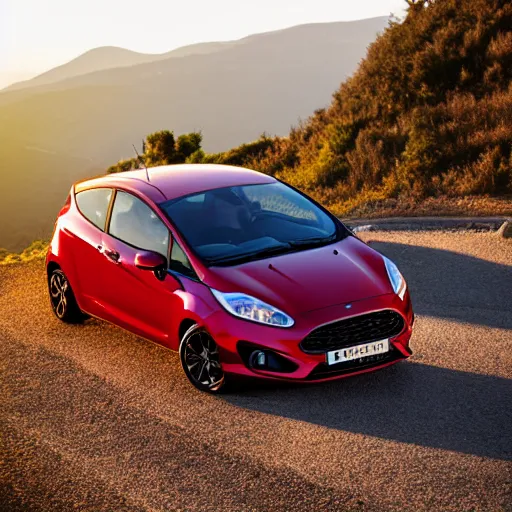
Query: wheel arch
[52, 265]
[185, 325]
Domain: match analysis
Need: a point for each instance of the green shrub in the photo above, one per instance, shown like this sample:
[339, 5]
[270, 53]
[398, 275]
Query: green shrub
[161, 148]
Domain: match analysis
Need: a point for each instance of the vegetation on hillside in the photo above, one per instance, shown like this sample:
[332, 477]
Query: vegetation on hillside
[427, 114]
[161, 148]
[35, 251]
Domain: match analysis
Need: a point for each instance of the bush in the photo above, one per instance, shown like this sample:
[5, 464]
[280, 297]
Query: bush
[35, 251]
[243, 155]
[161, 148]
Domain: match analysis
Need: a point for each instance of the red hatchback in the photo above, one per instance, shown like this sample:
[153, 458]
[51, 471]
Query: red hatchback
[240, 273]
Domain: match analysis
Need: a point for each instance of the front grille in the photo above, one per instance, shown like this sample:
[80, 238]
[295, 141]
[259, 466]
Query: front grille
[353, 331]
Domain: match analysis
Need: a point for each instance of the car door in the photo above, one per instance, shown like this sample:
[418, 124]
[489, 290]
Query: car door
[81, 238]
[136, 299]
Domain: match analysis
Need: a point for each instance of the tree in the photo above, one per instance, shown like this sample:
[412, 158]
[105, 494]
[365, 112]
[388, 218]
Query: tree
[187, 144]
[160, 148]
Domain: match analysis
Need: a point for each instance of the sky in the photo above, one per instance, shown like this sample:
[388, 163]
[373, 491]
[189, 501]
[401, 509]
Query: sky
[37, 35]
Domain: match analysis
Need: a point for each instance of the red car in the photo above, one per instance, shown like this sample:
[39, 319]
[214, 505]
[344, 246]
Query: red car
[240, 273]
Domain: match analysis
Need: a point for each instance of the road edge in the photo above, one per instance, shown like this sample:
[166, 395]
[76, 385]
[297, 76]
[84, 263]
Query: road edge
[484, 224]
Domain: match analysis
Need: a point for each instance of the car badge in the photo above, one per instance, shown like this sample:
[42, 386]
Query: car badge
[348, 306]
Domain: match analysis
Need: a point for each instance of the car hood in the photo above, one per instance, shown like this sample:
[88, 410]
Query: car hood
[298, 282]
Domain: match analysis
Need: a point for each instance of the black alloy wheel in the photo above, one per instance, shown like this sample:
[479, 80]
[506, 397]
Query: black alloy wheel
[199, 356]
[62, 298]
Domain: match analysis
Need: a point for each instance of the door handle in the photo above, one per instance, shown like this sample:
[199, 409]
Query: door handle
[112, 255]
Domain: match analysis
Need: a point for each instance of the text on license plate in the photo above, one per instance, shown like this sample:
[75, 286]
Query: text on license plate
[358, 351]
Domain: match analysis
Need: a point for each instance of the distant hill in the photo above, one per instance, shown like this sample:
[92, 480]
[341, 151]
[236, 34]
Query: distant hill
[93, 60]
[231, 92]
[10, 77]
[30, 197]
[108, 57]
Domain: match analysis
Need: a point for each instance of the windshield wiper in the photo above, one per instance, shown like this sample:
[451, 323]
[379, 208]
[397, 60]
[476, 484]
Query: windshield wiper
[249, 256]
[306, 242]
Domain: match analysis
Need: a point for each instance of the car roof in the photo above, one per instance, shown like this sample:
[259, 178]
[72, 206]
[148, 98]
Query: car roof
[172, 181]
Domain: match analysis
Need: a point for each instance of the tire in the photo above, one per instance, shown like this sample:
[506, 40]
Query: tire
[62, 299]
[199, 357]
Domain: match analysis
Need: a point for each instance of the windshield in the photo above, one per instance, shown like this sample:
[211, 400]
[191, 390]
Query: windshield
[231, 225]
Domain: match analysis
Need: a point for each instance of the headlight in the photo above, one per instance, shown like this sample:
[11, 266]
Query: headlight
[250, 308]
[395, 277]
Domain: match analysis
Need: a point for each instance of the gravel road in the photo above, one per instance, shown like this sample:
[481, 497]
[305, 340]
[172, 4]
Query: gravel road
[95, 419]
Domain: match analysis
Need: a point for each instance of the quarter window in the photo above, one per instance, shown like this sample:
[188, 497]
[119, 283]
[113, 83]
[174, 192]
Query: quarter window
[93, 204]
[135, 223]
[179, 261]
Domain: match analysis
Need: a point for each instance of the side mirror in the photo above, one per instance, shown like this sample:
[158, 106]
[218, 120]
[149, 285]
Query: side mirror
[149, 260]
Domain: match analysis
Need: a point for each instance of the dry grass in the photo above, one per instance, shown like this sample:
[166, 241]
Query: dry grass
[470, 206]
[35, 251]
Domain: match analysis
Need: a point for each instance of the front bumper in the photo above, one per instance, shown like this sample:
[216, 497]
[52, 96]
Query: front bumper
[232, 333]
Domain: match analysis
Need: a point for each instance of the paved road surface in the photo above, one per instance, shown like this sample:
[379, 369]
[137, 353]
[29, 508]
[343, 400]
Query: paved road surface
[95, 419]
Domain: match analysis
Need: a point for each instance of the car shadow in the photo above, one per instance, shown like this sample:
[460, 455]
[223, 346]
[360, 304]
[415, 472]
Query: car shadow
[447, 284]
[408, 402]
[413, 402]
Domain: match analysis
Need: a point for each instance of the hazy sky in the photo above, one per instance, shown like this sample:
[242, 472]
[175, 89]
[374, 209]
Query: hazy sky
[36, 35]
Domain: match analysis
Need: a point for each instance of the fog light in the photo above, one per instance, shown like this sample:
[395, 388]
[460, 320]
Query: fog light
[265, 359]
[259, 359]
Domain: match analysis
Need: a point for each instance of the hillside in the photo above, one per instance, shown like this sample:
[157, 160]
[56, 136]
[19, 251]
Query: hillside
[29, 200]
[428, 114]
[263, 83]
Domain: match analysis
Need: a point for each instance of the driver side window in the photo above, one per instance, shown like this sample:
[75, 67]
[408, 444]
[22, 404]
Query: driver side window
[136, 224]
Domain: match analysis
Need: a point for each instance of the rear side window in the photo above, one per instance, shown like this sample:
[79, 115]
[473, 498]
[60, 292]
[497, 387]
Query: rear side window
[135, 223]
[93, 205]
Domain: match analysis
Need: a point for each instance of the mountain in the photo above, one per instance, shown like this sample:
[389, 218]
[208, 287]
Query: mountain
[108, 57]
[93, 60]
[10, 77]
[231, 92]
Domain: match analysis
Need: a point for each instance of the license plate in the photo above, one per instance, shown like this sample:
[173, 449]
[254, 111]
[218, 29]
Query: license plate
[357, 352]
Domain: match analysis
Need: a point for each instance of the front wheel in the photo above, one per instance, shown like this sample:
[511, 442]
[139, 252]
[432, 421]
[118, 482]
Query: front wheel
[199, 356]
[62, 298]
